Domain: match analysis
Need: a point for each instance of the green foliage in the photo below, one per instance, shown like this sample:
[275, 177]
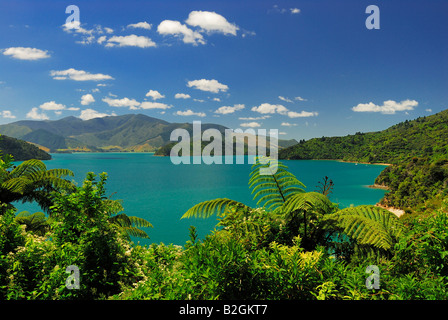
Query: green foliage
[21, 150]
[274, 188]
[31, 181]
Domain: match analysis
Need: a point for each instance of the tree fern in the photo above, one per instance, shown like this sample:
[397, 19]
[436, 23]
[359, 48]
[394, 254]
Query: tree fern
[274, 189]
[208, 208]
[369, 225]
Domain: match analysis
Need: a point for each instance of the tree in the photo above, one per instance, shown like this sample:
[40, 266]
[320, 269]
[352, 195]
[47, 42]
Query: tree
[311, 215]
[31, 181]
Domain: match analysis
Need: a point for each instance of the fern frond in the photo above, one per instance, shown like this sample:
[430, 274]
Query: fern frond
[208, 208]
[273, 190]
[135, 232]
[308, 201]
[369, 225]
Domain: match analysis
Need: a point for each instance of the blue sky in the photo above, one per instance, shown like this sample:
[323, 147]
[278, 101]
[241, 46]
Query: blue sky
[307, 68]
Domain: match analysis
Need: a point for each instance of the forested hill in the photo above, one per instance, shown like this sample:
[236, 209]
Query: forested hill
[21, 150]
[418, 150]
[425, 137]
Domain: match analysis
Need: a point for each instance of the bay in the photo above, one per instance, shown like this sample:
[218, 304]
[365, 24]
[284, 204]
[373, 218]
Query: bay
[155, 189]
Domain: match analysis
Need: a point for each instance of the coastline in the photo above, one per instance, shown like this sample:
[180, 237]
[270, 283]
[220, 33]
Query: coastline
[396, 211]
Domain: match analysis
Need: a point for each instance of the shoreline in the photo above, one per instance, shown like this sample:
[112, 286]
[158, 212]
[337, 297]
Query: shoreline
[378, 186]
[396, 211]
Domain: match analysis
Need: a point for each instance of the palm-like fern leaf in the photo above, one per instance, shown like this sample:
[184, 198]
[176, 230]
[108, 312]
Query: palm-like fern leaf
[208, 208]
[303, 202]
[273, 190]
[369, 225]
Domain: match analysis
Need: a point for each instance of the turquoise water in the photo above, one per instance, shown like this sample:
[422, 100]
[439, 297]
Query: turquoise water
[155, 189]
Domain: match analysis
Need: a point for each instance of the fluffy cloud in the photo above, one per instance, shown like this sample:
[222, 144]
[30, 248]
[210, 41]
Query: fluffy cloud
[300, 99]
[91, 114]
[285, 99]
[141, 25]
[124, 102]
[208, 85]
[7, 114]
[190, 113]
[388, 107]
[154, 105]
[130, 41]
[22, 53]
[266, 108]
[287, 124]
[227, 110]
[87, 99]
[303, 114]
[78, 75]
[35, 115]
[52, 106]
[211, 22]
[251, 124]
[175, 28]
[154, 94]
[182, 96]
[294, 10]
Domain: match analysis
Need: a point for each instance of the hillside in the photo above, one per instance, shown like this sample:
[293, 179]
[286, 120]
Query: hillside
[132, 133]
[418, 150]
[21, 150]
[422, 137]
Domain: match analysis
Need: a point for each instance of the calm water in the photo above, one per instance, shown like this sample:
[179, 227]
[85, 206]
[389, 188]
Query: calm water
[159, 191]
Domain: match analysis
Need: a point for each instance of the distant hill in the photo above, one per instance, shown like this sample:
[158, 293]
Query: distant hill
[418, 150]
[132, 132]
[21, 150]
[422, 137]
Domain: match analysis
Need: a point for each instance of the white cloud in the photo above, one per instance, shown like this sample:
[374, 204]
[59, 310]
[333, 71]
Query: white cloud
[428, 110]
[199, 100]
[87, 99]
[141, 25]
[35, 115]
[190, 113]
[22, 53]
[154, 94]
[208, 85]
[78, 75]
[254, 118]
[7, 114]
[101, 39]
[388, 107]
[52, 106]
[300, 99]
[109, 30]
[175, 28]
[216, 99]
[211, 22]
[303, 114]
[266, 108]
[227, 109]
[285, 99]
[124, 102]
[251, 124]
[287, 124]
[88, 114]
[154, 105]
[294, 10]
[130, 41]
[182, 96]
[73, 109]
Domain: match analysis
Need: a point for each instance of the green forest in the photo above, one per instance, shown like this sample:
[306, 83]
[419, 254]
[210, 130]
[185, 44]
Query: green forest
[292, 245]
[417, 150]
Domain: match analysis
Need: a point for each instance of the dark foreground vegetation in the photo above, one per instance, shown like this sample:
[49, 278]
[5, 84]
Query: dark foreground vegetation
[295, 245]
